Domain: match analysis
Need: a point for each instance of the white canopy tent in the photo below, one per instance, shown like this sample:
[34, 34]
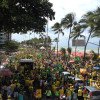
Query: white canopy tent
[42, 48]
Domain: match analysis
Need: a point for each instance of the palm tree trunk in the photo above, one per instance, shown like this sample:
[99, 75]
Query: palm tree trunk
[86, 44]
[99, 48]
[76, 48]
[57, 44]
[69, 38]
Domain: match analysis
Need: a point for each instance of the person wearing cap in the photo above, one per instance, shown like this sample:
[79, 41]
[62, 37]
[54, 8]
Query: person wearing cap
[80, 94]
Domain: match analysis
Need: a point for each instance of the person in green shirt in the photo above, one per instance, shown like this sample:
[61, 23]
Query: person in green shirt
[57, 94]
[48, 94]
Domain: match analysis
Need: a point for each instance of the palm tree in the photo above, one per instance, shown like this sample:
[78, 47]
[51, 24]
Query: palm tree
[68, 23]
[76, 32]
[57, 28]
[88, 22]
[97, 23]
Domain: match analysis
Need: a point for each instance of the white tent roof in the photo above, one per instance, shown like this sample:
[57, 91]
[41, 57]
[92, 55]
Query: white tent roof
[65, 73]
[42, 48]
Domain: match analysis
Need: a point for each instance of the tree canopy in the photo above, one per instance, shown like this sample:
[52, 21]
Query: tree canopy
[38, 42]
[11, 46]
[24, 15]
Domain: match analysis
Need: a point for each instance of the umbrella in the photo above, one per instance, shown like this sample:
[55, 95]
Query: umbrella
[80, 54]
[5, 72]
[71, 61]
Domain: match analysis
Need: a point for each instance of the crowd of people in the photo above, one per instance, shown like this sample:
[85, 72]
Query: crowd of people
[46, 81]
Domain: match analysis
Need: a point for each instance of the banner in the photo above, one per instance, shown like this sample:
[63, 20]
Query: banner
[79, 42]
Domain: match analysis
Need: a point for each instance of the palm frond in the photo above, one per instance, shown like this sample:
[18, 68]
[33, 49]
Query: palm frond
[56, 26]
[68, 20]
[96, 34]
[82, 36]
[56, 32]
[62, 33]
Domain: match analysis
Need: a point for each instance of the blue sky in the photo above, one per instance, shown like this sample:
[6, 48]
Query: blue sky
[61, 8]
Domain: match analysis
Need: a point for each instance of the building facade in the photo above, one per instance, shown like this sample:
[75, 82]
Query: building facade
[4, 37]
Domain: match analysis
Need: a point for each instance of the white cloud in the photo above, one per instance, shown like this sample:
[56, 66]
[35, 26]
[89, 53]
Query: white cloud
[80, 7]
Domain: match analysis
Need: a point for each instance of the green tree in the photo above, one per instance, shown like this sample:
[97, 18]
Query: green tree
[38, 42]
[57, 28]
[67, 22]
[20, 16]
[11, 46]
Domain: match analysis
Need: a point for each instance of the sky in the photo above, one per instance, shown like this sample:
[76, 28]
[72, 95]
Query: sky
[80, 7]
[61, 8]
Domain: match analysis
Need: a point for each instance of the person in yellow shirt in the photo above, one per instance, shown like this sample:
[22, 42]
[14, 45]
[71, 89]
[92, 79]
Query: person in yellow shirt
[90, 82]
[54, 88]
[80, 94]
[57, 83]
[85, 94]
[38, 94]
[69, 94]
[12, 87]
[0, 96]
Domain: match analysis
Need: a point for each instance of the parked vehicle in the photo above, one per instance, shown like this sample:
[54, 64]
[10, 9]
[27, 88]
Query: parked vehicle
[93, 93]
